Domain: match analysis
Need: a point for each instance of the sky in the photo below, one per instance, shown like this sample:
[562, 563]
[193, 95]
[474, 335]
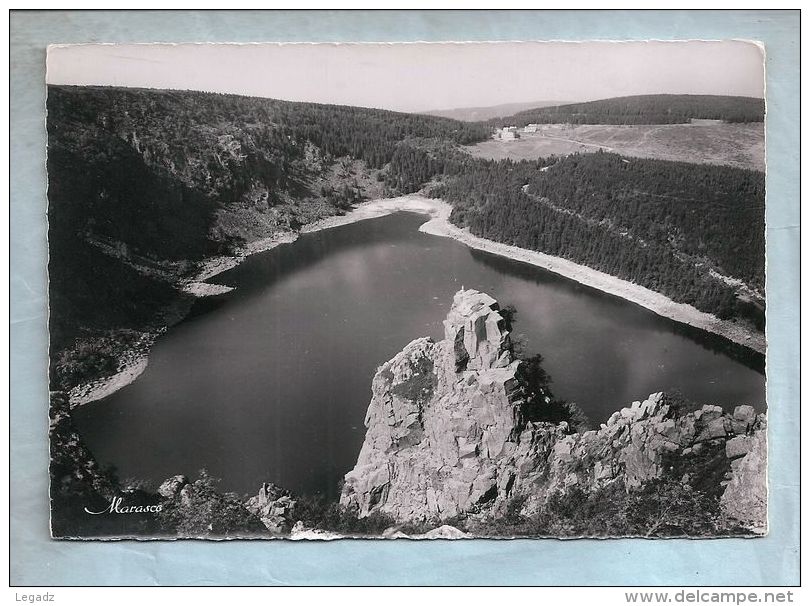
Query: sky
[421, 76]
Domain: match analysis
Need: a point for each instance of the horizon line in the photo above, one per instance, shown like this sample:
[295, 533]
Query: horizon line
[421, 112]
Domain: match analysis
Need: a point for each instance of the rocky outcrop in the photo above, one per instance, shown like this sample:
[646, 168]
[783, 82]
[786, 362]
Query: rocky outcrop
[456, 427]
[171, 487]
[273, 506]
[441, 417]
[745, 498]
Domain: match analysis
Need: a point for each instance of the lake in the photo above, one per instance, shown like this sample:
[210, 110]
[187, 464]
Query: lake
[271, 382]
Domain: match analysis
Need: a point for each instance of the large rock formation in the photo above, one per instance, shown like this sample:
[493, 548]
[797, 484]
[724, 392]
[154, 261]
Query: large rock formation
[746, 495]
[457, 427]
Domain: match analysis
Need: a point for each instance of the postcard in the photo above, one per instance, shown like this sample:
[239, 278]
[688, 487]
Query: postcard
[407, 291]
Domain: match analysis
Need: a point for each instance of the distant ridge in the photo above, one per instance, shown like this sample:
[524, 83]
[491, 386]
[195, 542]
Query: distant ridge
[476, 114]
[643, 109]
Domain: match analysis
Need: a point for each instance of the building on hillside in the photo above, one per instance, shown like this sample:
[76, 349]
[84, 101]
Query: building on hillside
[531, 128]
[508, 133]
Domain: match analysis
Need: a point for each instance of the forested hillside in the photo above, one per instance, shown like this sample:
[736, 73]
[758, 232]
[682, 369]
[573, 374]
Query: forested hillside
[144, 183]
[204, 152]
[643, 109]
[479, 114]
[695, 233]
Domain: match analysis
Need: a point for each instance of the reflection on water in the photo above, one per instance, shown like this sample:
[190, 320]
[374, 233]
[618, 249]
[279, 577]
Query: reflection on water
[750, 358]
[271, 382]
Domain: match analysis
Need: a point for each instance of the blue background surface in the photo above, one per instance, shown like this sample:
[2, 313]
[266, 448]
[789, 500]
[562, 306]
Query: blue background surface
[36, 559]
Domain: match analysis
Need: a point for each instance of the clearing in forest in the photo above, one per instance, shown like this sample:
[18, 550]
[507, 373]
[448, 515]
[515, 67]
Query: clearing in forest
[739, 145]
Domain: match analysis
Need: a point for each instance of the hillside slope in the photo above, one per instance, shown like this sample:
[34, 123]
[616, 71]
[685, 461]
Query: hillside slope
[695, 233]
[476, 114]
[738, 145]
[146, 184]
[644, 109]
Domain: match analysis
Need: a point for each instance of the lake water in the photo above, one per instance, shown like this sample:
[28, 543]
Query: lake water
[271, 382]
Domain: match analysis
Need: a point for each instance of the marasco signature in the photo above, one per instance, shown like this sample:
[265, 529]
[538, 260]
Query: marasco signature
[115, 506]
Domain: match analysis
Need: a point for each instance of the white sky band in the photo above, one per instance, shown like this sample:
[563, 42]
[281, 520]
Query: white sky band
[418, 77]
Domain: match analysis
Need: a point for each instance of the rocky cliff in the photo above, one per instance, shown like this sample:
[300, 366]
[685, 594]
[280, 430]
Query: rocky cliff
[462, 427]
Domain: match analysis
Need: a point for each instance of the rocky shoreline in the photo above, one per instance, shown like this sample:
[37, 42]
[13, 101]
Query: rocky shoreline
[134, 360]
[655, 302]
[131, 365]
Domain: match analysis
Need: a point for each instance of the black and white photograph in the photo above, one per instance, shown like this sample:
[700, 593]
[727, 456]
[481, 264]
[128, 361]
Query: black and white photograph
[311, 291]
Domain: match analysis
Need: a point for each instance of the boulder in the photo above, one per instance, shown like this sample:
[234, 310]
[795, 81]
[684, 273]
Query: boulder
[299, 532]
[744, 420]
[745, 498]
[187, 495]
[171, 487]
[717, 427]
[445, 532]
[739, 446]
[273, 506]
[708, 413]
[745, 414]
[394, 533]
[477, 331]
